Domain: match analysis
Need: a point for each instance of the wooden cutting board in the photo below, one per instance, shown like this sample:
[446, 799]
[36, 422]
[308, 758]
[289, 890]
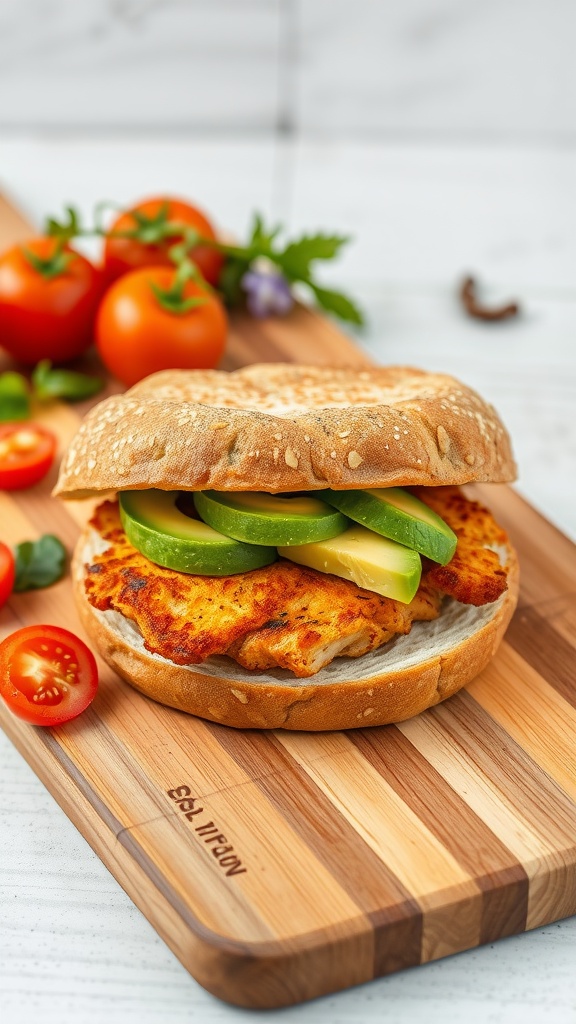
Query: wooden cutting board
[281, 866]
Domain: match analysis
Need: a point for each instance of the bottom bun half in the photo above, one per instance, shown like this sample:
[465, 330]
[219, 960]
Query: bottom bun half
[393, 683]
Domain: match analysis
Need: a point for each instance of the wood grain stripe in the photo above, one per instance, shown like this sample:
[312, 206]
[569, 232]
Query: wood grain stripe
[519, 802]
[230, 969]
[547, 650]
[423, 865]
[498, 873]
[395, 916]
[520, 700]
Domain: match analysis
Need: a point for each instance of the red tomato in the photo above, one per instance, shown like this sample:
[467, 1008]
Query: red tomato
[136, 335]
[45, 314]
[6, 573]
[47, 675]
[149, 218]
[26, 454]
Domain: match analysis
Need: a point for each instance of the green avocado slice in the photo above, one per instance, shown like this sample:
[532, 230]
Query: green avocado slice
[159, 530]
[395, 513]
[259, 518]
[370, 561]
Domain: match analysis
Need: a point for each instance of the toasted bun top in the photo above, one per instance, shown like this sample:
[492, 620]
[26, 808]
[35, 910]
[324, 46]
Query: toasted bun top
[282, 427]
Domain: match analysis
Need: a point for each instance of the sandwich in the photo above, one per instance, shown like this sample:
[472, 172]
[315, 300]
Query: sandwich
[290, 547]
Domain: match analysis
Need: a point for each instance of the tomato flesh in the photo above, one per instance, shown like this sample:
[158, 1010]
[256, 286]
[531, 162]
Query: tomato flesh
[7, 573]
[47, 674]
[26, 454]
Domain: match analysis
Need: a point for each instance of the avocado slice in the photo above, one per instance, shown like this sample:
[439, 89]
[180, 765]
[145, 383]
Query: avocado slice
[259, 518]
[167, 536]
[397, 514]
[373, 562]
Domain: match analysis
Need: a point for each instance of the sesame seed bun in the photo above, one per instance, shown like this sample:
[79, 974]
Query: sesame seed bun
[281, 427]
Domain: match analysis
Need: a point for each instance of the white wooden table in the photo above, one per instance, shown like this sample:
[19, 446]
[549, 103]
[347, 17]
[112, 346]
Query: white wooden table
[73, 947]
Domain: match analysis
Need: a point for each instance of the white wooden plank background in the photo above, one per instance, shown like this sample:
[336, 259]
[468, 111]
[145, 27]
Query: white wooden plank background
[133, 63]
[501, 69]
[73, 947]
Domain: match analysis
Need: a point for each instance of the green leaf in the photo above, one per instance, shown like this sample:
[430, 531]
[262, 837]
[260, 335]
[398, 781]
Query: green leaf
[337, 303]
[229, 282]
[39, 563]
[14, 397]
[261, 240]
[68, 384]
[297, 256]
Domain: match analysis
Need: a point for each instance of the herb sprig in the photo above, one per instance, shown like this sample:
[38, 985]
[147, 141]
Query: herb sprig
[39, 563]
[261, 273]
[46, 383]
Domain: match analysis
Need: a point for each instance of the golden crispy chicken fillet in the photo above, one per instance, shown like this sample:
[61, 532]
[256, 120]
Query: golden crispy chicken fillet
[475, 574]
[305, 643]
[282, 615]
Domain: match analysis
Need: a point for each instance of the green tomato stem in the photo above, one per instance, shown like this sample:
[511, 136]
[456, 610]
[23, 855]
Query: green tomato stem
[172, 299]
[51, 266]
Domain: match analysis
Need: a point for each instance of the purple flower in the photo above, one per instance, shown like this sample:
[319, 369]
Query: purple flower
[267, 292]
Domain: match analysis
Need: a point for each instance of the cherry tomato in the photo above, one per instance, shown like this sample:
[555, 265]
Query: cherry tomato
[136, 335]
[26, 454]
[148, 218]
[48, 301]
[47, 674]
[7, 572]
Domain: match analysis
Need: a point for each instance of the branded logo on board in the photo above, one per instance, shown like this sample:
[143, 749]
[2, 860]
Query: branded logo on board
[207, 831]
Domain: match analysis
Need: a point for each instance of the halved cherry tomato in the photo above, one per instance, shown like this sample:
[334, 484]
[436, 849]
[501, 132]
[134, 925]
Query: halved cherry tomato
[47, 674]
[7, 573]
[149, 246]
[26, 454]
[48, 301]
[137, 335]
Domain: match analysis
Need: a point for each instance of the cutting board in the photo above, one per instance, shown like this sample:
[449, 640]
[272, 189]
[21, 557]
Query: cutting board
[281, 866]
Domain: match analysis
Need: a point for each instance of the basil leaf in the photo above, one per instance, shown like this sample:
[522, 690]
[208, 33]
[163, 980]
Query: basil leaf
[261, 239]
[68, 384]
[14, 397]
[39, 563]
[337, 303]
[296, 258]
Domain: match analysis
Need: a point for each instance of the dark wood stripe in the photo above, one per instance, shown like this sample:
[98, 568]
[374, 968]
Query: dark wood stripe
[499, 875]
[536, 640]
[534, 795]
[394, 914]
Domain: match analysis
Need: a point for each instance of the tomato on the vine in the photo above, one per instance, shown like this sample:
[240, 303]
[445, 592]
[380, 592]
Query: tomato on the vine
[49, 295]
[142, 237]
[7, 573]
[147, 322]
[47, 674]
[26, 454]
